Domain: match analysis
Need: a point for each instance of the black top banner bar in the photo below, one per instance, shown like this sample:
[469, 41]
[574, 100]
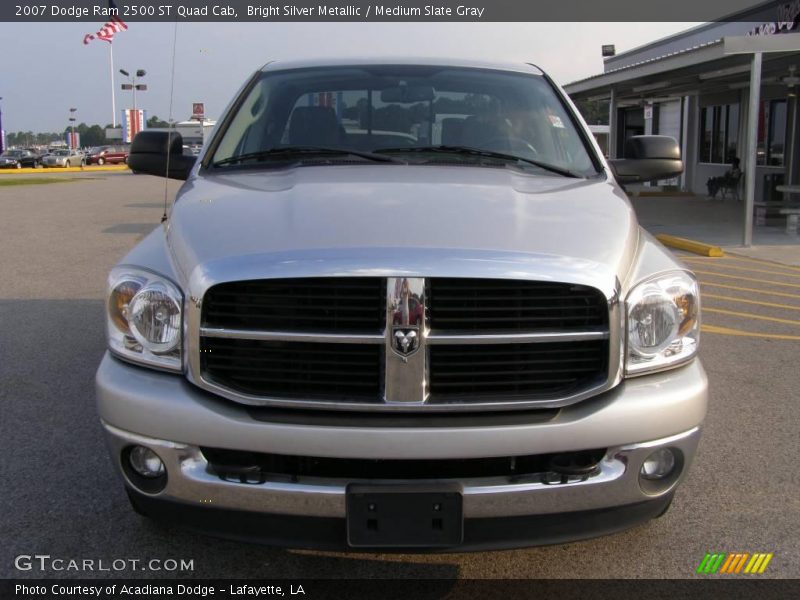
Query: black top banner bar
[399, 10]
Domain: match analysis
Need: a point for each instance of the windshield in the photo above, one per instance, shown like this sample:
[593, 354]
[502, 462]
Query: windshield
[418, 114]
[12, 153]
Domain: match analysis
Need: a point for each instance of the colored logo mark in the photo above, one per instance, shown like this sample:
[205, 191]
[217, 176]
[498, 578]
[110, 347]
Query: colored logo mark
[736, 562]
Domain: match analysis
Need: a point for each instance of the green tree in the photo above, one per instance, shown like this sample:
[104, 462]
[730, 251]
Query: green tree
[154, 121]
[94, 136]
[595, 112]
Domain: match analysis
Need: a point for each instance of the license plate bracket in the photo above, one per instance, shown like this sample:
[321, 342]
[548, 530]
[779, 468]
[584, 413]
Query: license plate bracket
[400, 516]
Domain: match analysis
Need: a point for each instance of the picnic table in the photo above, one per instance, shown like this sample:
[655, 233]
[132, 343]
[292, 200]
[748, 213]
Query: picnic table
[792, 212]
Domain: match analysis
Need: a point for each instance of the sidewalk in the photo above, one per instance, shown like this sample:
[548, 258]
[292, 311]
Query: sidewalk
[717, 222]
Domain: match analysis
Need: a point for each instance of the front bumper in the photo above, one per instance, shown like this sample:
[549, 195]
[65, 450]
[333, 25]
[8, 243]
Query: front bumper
[173, 418]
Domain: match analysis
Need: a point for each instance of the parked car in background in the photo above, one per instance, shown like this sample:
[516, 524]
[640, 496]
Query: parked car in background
[102, 155]
[17, 159]
[63, 158]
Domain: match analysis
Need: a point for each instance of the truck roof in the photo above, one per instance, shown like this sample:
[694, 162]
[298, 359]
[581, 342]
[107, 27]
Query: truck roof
[520, 67]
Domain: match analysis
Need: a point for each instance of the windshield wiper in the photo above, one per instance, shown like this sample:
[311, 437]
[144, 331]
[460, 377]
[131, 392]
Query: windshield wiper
[289, 152]
[468, 150]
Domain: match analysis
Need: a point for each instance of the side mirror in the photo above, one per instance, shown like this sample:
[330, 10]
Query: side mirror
[650, 157]
[160, 153]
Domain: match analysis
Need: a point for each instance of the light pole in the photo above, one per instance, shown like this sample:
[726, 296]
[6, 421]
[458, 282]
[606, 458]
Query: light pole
[2, 140]
[72, 144]
[133, 86]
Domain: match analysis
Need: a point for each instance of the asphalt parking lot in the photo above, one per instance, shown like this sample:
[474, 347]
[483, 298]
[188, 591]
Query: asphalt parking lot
[60, 496]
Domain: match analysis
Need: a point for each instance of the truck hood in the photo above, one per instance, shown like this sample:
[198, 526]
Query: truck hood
[398, 219]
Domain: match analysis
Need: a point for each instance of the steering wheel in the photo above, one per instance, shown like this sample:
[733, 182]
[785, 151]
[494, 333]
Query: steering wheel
[515, 144]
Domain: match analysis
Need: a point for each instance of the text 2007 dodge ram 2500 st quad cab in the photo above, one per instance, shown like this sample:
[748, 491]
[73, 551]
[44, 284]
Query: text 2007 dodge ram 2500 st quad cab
[402, 304]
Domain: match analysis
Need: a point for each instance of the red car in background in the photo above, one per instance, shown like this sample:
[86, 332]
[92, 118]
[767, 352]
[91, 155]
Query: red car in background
[102, 155]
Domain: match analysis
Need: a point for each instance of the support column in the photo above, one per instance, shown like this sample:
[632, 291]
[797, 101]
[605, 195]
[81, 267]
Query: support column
[688, 137]
[752, 139]
[791, 143]
[612, 125]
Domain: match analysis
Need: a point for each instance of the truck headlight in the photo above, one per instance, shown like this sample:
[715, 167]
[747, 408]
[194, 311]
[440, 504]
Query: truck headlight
[145, 318]
[663, 323]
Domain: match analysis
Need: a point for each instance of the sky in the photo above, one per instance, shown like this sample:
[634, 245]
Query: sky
[46, 69]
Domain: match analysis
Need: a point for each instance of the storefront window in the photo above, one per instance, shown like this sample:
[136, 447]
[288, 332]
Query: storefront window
[771, 133]
[706, 133]
[719, 132]
[733, 128]
[777, 132]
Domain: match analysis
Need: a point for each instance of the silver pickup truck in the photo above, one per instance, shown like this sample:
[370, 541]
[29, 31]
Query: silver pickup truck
[402, 304]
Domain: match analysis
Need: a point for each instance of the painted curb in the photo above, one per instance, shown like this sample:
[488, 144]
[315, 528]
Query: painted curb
[690, 245]
[55, 170]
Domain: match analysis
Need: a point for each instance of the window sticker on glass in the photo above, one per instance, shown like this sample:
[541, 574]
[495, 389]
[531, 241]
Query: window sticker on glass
[555, 121]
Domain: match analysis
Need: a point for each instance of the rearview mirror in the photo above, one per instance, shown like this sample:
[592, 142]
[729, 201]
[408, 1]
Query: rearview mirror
[407, 94]
[160, 153]
[649, 157]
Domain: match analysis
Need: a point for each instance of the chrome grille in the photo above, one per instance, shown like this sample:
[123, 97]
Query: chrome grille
[406, 343]
[540, 370]
[499, 305]
[314, 304]
[294, 369]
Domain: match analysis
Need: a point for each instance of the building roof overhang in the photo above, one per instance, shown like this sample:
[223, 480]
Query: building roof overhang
[707, 68]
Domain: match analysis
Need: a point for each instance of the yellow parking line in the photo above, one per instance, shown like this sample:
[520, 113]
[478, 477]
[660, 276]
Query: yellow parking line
[750, 316]
[740, 333]
[728, 258]
[732, 299]
[751, 290]
[753, 279]
[757, 270]
[736, 257]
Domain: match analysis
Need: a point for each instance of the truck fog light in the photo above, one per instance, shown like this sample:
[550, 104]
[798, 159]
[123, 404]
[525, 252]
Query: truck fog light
[146, 462]
[658, 465]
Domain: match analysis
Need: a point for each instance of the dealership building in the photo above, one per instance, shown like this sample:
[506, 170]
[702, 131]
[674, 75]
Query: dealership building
[723, 90]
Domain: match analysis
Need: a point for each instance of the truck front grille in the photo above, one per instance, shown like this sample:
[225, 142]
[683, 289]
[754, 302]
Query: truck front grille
[539, 370]
[499, 305]
[478, 344]
[294, 369]
[256, 467]
[313, 304]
